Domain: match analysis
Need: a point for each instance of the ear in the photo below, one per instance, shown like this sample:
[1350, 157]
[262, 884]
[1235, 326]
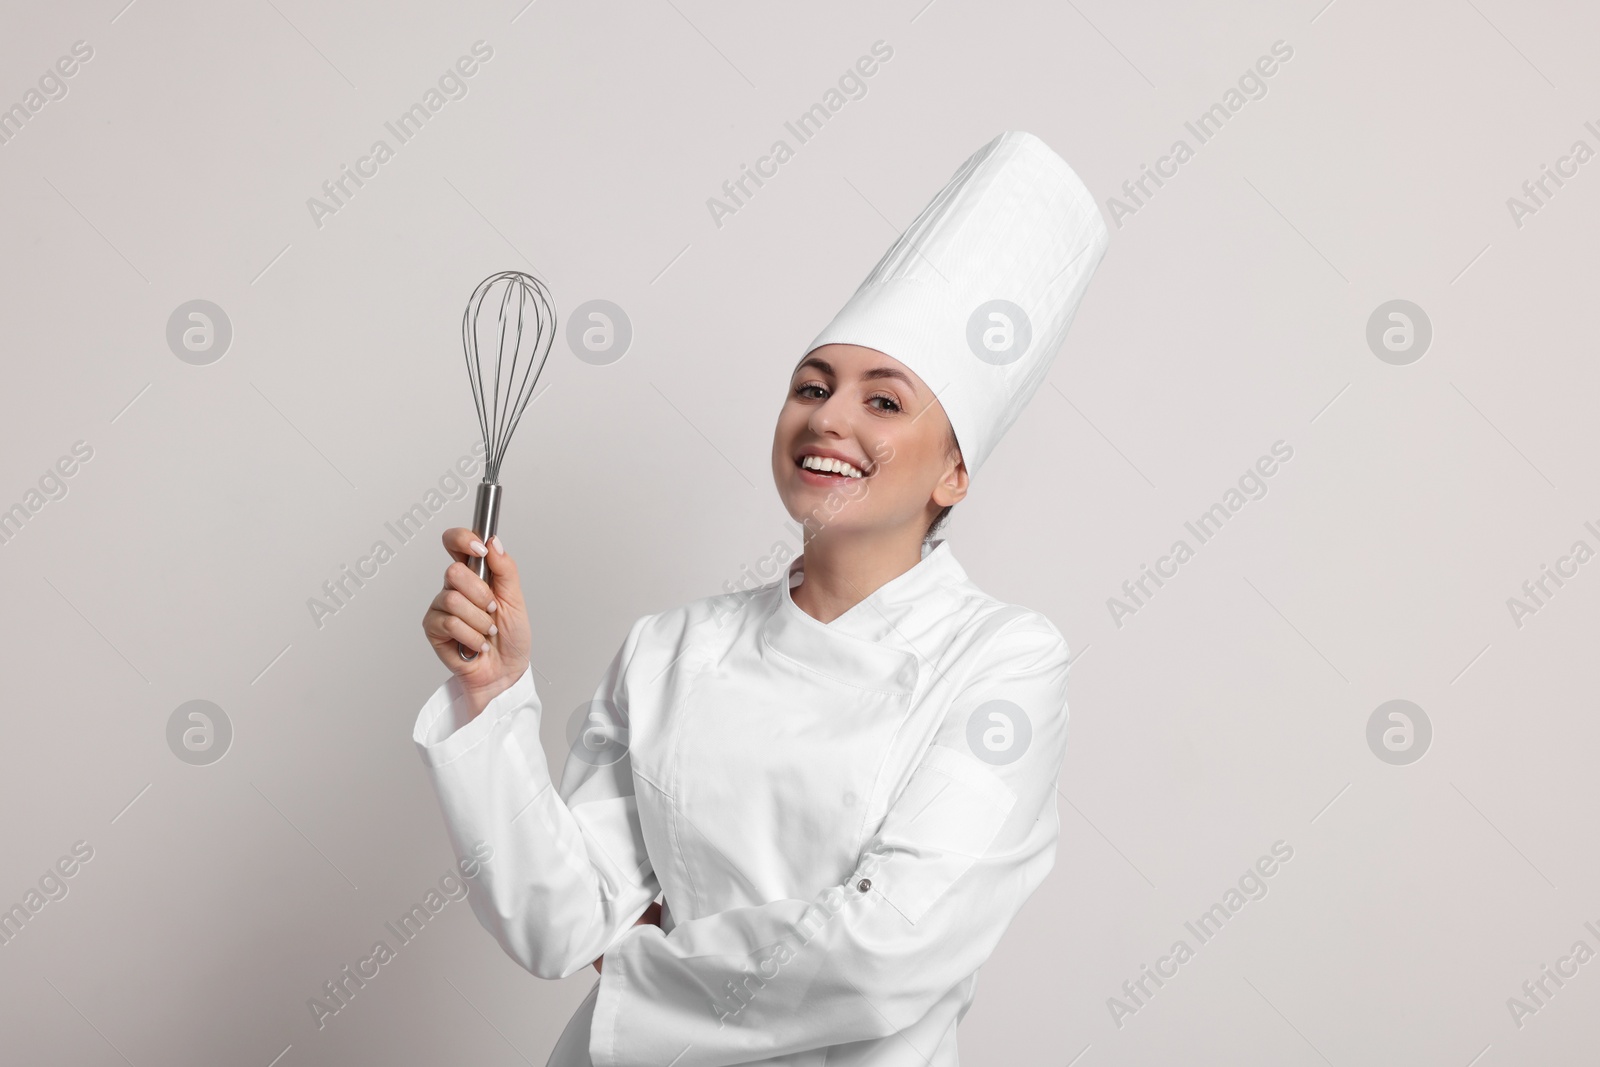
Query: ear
[952, 486]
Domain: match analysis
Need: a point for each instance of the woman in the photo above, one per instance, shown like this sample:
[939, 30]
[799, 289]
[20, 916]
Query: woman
[841, 784]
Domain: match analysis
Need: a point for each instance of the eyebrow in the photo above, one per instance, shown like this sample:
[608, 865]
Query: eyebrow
[876, 372]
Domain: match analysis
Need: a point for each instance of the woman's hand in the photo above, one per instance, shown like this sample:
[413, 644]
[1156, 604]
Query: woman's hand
[488, 616]
[651, 917]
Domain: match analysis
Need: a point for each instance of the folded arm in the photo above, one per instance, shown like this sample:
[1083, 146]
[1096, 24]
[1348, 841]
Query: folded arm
[961, 849]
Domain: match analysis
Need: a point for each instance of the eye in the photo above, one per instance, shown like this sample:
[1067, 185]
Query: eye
[894, 405]
[800, 391]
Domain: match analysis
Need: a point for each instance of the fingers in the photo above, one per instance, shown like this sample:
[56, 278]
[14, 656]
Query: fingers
[463, 544]
[459, 578]
[455, 602]
[442, 625]
[477, 612]
[464, 609]
[502, 568]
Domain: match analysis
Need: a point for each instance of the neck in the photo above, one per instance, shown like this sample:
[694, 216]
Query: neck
[841, 572]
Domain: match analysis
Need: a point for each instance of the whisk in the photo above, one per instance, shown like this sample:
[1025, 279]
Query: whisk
[510, 320]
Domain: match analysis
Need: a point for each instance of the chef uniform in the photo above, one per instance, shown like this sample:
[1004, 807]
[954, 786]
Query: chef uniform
[842, 818]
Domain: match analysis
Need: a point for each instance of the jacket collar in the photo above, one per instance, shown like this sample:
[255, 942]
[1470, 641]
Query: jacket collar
[867, 646]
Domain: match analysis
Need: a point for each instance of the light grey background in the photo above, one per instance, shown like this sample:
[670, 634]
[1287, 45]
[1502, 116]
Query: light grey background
[1230, 312]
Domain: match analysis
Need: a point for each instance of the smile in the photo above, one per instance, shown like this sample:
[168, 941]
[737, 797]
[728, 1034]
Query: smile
[836, 468]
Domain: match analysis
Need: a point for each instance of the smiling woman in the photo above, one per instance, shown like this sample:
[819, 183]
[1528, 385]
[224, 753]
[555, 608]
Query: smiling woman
[856, 415]
[838, 787]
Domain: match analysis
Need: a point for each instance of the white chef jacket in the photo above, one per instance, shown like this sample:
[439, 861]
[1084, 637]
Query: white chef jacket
[842, 819]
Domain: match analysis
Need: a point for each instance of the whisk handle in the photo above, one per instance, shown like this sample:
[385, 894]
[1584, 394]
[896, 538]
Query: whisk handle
[485, 520]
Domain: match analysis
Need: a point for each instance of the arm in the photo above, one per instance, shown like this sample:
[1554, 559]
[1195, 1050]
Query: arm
[958, 853]
[562, 874]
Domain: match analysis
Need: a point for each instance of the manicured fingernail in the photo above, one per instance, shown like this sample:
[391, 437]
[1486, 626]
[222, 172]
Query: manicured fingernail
[478, 549]
[498, 547]
[492, 606]
[493, 629]
[485, 647]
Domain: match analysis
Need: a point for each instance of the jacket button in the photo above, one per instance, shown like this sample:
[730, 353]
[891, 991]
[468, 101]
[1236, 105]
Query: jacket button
[864, 885]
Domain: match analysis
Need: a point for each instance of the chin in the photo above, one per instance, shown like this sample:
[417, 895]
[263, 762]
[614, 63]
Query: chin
[846, 521]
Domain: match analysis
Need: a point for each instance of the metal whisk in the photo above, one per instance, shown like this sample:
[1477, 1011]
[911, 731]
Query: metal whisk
[510, 320]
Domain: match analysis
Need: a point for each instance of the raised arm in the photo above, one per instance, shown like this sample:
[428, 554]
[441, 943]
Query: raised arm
[962, 848]
[562, 873]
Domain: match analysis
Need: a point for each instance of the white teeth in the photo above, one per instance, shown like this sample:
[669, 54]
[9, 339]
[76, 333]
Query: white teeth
[835, 466]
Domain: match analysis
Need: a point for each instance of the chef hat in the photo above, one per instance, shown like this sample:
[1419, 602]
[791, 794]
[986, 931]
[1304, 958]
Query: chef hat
[977, 295]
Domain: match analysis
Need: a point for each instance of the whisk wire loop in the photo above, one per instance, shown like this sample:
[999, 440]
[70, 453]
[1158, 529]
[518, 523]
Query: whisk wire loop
[523, 319]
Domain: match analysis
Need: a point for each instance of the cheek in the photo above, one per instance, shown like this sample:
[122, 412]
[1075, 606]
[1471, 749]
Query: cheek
[783, 426]
[913, 468]
[899, 479]
[792, 415]
[789, 422]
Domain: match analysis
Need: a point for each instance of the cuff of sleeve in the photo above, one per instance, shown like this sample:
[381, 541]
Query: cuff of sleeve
[618, 986]
[603, 1027]
[439, 733]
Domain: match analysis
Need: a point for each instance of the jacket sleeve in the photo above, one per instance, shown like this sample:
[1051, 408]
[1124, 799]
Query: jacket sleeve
[959, 851]
[555, 876]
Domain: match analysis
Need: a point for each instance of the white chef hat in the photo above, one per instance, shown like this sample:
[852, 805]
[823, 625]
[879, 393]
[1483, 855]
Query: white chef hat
[977, 295]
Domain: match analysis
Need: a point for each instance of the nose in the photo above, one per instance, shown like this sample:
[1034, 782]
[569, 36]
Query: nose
[827, 418]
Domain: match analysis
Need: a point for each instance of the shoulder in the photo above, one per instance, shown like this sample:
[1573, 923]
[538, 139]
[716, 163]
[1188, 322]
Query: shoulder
[1029, 642]
[1005, 633]
[1019, 641]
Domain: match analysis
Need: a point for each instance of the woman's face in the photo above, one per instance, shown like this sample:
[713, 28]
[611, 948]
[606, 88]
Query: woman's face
[870, 411]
